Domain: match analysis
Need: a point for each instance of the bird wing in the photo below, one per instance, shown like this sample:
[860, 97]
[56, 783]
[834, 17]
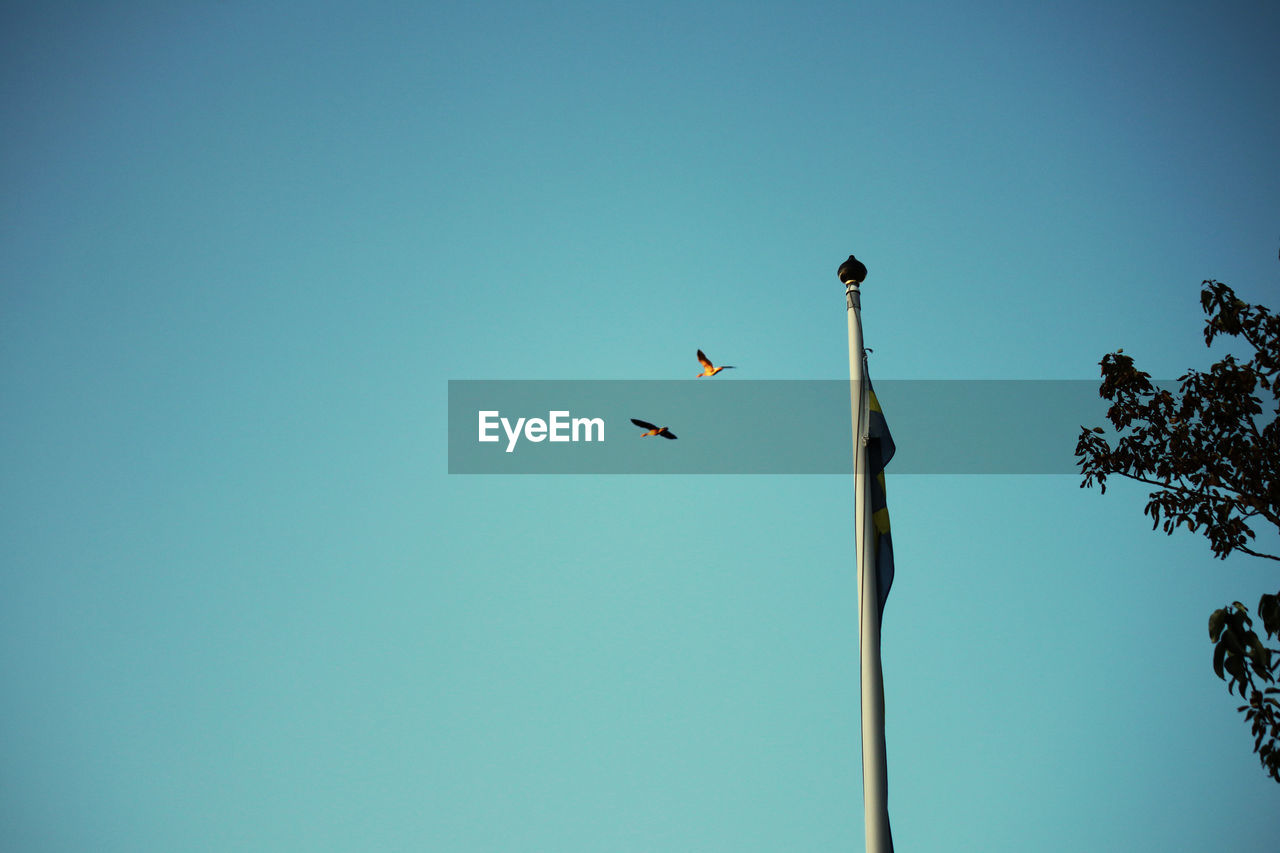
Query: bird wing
[702, 358]
[643, 424]
[666, 433]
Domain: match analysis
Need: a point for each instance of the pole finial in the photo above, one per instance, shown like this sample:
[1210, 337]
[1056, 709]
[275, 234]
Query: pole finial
[852, 271]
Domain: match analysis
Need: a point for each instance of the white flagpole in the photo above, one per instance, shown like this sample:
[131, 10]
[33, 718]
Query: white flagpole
[875, 786]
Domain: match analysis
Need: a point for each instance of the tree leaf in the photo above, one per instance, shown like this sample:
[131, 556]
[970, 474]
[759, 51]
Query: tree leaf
[1217, 620]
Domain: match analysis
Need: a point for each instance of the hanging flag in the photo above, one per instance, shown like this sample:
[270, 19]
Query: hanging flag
[880, 450]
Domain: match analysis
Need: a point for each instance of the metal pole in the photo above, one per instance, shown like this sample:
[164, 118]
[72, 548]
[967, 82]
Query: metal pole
[875, 786]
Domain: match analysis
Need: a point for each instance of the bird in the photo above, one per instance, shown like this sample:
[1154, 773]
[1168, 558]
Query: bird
[852, 271]
[652, 429]
[709, 369]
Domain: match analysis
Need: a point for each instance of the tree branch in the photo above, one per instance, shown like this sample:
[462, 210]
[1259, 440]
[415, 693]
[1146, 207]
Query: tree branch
[1254, 553]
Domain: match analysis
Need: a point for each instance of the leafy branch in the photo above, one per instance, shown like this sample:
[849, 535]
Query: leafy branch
[1214, 461]
[1241, 660]
[1215, 468]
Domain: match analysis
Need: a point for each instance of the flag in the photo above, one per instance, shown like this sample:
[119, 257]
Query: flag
[877, 452]
[880, 449]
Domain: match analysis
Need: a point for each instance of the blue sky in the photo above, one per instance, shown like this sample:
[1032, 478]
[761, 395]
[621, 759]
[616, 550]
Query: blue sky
[245, 247]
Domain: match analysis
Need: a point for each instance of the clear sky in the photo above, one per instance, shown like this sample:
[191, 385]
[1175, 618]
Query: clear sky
[244, 247]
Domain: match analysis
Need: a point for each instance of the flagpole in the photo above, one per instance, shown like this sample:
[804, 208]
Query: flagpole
[875, 786]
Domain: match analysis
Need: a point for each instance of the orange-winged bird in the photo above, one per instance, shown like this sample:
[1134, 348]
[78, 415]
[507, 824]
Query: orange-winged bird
[652, 430]
[852, 270]
[709, 369]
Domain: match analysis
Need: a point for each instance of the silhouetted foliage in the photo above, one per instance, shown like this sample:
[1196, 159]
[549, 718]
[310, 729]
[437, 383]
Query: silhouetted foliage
[1241, 660]
[1213, 455]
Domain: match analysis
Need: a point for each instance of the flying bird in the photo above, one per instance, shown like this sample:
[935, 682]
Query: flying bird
[709, 369]
[652, 429]
[852, 270]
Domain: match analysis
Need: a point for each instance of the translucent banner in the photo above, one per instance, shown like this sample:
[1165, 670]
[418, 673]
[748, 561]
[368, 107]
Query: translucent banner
[764, 427]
